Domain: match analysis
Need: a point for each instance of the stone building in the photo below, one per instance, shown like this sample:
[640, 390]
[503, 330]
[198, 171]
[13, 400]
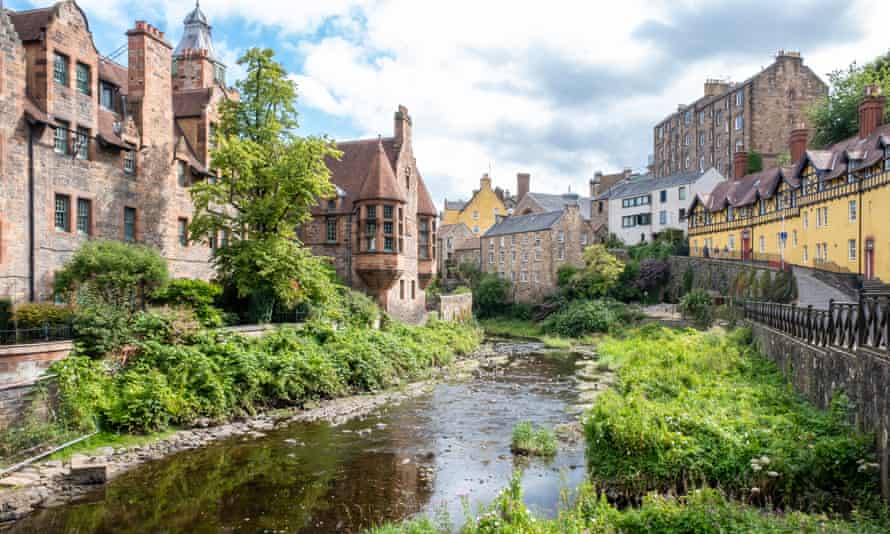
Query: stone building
[453, 237]
[600, 185]
[756, 115]
[529, 250]
[93, 149]
[380, 229]
[592, 230]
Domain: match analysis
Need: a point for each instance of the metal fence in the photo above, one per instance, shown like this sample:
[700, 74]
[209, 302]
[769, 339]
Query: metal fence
[845, 325]
[47, 332]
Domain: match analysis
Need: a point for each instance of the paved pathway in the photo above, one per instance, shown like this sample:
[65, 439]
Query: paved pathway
[813, 291]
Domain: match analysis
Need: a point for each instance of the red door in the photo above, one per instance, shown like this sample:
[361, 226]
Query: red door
[746, 245]
[869, 259]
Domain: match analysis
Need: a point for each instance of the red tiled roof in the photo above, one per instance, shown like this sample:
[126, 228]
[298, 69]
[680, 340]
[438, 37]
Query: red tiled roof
[190, 155]
[191, 103]
[349, 171]
[380, 180]
[832, 162]
[30, 24]
[425, 205]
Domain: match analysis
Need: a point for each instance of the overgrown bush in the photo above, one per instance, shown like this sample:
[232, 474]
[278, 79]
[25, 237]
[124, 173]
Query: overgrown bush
[100, 328]
[694, 408]
[490, 295]
[197, 295]
[698, 306]
[118, 273]
[582, 317]
[38, 314]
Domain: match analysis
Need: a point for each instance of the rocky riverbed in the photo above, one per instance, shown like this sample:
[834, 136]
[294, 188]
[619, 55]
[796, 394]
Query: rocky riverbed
[502, 365]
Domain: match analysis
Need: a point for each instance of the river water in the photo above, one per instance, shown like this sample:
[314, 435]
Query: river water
[442, 452]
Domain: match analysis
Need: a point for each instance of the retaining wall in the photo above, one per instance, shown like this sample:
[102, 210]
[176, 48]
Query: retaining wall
[709, 274]
[23, 363]
[819, 372]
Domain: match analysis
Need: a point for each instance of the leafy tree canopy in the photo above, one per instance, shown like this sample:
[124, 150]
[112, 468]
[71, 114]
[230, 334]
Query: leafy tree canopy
[837, 117]
[269, 179]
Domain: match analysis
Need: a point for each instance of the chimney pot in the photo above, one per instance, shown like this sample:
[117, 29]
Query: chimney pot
[871, 110]
[798, 143]
[739, 164]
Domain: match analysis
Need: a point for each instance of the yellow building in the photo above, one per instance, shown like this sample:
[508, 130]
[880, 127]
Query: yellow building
[479, 213]
[828, 211]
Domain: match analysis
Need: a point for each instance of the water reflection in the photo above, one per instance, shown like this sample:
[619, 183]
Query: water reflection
[444, 450]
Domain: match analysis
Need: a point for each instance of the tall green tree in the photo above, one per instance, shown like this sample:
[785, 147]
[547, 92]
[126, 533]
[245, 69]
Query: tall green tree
[268, 180]
[837, 117]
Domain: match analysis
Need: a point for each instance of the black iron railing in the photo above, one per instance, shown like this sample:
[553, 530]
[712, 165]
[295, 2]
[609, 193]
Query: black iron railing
[47, 332]
[845, 325]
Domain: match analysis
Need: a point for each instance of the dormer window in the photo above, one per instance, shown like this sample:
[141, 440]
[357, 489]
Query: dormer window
[729, 214]
[762, 206]
[106, 96]
[887, 158]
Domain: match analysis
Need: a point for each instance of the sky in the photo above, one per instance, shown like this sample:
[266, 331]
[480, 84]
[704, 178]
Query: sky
[559, 89]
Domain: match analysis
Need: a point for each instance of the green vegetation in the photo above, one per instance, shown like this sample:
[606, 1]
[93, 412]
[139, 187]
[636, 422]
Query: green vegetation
[490, 295]
[269, 179]
[37, 314]
[109, 439]
[119, 274]
[755, 162]
[595, 280]
[698, 306]
[196, 295]
[694, 409]
[530, 441]
[702, 511]
[173, 375]
[837, 117]
[584, 317]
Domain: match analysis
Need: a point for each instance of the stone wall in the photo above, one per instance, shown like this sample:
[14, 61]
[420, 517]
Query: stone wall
[709, 274]
[23, 400]
[456, 307]
[23, 363]
[818, 373]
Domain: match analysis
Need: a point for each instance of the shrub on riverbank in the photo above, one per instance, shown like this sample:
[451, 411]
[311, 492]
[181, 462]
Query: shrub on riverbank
[582, 317]
[530, 441]
[216, 375]
[694, 409]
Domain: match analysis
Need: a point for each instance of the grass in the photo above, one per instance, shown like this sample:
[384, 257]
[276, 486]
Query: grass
[530, 441]
[110, 439]
[705, 511]
[694, 409]
[527, 329]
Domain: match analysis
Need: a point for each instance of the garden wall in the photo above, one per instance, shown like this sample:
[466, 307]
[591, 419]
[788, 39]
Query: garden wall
[708, 273]
[17, 401]
[23, 363]
[456, 307]
[819, 372]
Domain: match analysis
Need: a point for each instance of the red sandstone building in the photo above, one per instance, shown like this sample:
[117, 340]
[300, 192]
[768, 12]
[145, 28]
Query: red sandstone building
[92, 149]
[381, 228]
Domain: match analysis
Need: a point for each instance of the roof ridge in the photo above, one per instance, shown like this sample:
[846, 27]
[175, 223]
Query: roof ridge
[367, 140]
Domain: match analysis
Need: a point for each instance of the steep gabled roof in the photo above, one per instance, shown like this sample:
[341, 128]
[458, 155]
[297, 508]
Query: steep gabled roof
[108, 132]
[380, 181]
[114, 73]
[425, 204]
[191, 103]
[834, 160]
[349, 171]
[532, 222]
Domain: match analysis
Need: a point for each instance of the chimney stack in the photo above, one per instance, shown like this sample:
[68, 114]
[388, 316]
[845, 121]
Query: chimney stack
[715, 87]
[402, 128]
[739, 164]
[798, 143]
[523, 182]
[485, 182]
[871, 110]
[595, 183]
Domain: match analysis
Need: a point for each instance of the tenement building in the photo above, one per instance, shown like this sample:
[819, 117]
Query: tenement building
[756, 115]
[826, 211]
[92, 149]
[529, 249]
[642, 206]
[380, 229]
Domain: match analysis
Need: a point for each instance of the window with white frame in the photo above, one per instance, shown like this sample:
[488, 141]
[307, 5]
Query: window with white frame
[701, 164]
[762, 245]
[739, 98]
[739, 122]
[491, 258]
[663, 217]
[732, 242]
[475, 215]
[852, 210]
[686, 140]
[806, 220]
[794, 238]
[503, 256]
[806, 254]
[682, 193]
[851, 249]
[562, 253]
[60, 137]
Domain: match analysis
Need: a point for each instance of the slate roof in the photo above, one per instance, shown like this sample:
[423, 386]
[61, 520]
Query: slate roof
[197, 34]
[30, 24]
[833, 161]
[532, 222]
[646, 183]
[107, 120]
[113, 72]
[348, 172]
[456, 205]
[379, 179]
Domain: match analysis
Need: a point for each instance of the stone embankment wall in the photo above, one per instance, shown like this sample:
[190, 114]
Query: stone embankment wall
[456, 307]
[818, 373]
[24, 363]
[24, 399]
[708, 273]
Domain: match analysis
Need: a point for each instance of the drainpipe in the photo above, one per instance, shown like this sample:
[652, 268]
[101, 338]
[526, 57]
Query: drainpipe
[32, 294]
[860, 244]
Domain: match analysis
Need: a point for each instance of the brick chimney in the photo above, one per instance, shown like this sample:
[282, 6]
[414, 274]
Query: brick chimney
[523, 182]
[595, 184]
[798, 143]
[150, 83]
[871, 110]
[715, 87]
[485, 182]
[739, 164]
[402, 128]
